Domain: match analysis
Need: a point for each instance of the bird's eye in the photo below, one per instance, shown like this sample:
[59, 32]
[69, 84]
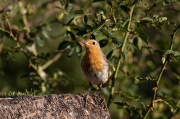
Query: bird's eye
[93, 43]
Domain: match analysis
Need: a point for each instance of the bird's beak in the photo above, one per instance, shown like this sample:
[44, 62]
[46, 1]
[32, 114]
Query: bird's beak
[84, 42]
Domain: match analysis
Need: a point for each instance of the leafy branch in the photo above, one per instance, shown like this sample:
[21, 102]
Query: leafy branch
[39, 68]
[115, 73]
[155, 88]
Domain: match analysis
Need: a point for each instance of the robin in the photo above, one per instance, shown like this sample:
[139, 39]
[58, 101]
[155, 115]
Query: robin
[94, 64]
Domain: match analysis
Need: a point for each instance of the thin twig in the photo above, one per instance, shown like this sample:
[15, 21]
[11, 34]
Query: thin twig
[24, 18]
[54, 59]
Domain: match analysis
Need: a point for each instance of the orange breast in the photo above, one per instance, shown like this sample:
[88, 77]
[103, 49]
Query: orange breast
[92, 62]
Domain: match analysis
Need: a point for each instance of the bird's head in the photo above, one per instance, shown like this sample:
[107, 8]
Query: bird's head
[91, 45]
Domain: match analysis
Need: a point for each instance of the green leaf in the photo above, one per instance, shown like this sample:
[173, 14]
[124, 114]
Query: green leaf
[125, 23]
[10, 56]
[81, 32]
[131, 110]
[69, 22]
[71, 35]
[115, 41]
[63, 45]
[133, 97]
[145, 79]
[176, 53]
[163, 19]
[169, 103]
[163, 59]
[79, 12]
[122, 55]
[45, 34]
[122, 105]
[127, 94]
[169, 52]
[78, 49]
[103, 42]
[88, 28]
[109, 53]
[142, 35]
[40, 42]
[136, 111]
[146, 20]
[85, 19]
[137, 42]
[105, 32]
[71, 52]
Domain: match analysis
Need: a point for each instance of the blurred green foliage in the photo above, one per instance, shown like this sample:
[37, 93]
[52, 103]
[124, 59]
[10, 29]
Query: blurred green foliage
[40, 51]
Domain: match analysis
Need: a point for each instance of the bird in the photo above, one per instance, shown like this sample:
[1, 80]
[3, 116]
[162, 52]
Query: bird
[94, 64]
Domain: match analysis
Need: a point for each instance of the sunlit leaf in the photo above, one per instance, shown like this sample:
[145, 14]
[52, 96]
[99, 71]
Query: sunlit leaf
[163, 59]
[40, 42]
[71, 52]
[137, 42]
[145, 79]
[169, 52]
[78, 49]
[146, 20]
[162, 19]
[176, 53]
[45, 34]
